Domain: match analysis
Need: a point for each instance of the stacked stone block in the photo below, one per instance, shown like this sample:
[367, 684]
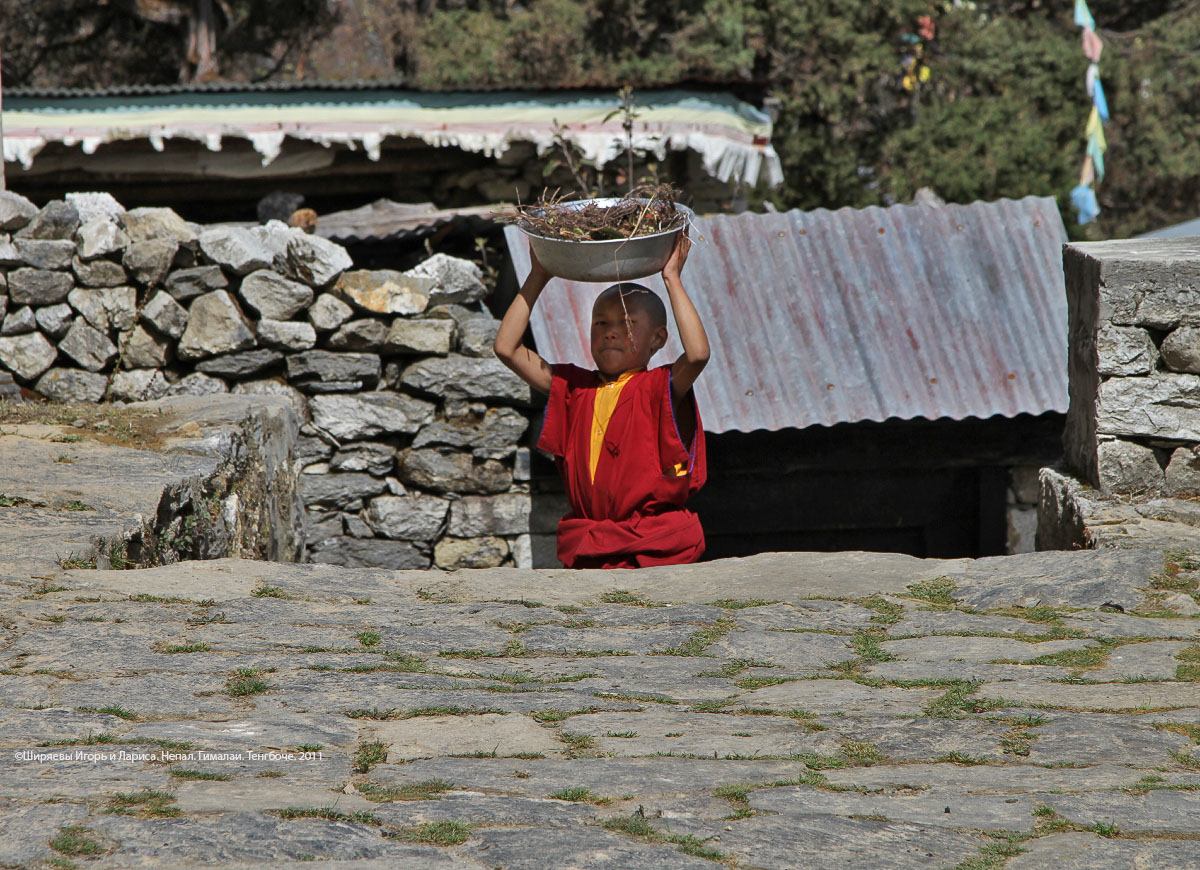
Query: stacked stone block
[410, 449]
[1133, 427]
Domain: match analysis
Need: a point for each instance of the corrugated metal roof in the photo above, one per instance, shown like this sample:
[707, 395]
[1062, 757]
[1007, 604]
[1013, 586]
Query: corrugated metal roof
[826, 317]
[386, 221]
[1184, 230]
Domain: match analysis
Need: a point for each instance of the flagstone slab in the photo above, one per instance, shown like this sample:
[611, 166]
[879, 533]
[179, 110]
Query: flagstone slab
[259, 794]
[922, 739]
[1103, 853]
[433, 736]
[489, 810]
[1159, 810]
[1058, 578]
[582, 848]
[262, 733]
[977, 649]
[842, 696]
[1016, 777]
[920, 623]
[212, 839]
[24, 825]
[1151, 661]
[647, 779]
[829, 842]
[945, 809]
[789, 649]
[970, 671]
[831, 616]
[1104, 624]
[1083, 738]
[1104, 696]
[705, 735]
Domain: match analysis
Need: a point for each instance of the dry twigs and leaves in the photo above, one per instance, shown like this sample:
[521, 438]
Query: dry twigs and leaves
[646, 210]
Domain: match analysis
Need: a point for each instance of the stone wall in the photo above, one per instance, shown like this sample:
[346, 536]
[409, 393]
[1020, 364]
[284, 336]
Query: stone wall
[409, 449]
[1133, 427]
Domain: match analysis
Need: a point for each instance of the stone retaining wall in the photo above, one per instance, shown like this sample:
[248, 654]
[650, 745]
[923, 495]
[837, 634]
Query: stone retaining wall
[408, 451]
[1133, 427]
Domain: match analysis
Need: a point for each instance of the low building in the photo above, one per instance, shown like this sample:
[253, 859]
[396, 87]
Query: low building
[881, 379]
[214, 151]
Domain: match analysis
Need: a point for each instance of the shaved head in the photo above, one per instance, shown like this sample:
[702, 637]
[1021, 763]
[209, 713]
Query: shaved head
[636, 296]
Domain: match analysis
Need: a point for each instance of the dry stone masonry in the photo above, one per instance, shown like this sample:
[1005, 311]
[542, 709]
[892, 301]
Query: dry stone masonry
[409, 451]
[1133, 428]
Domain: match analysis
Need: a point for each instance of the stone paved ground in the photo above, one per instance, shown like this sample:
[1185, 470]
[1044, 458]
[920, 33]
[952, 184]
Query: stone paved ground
[789, 710]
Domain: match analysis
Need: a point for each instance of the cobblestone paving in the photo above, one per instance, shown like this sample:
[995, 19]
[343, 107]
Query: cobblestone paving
[790, 710]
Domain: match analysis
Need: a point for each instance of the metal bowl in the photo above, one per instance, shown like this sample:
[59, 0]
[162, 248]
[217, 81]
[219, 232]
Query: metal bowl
[607, 261]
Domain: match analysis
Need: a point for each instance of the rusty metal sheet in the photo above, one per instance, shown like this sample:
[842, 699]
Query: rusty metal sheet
[825, 317]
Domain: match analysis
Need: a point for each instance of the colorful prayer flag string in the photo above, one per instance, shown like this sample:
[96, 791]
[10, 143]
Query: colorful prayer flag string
[1083, 196]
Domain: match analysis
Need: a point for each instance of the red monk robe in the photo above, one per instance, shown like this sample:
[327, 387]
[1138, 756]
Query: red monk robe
[632, 515]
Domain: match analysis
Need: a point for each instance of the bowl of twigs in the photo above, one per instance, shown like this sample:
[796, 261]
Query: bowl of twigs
[605, 240]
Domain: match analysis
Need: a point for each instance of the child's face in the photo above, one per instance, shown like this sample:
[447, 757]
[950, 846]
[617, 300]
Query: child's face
[623, 336]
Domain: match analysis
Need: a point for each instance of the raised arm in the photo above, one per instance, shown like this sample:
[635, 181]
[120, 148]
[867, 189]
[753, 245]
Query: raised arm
[694, 358]
[509, 344]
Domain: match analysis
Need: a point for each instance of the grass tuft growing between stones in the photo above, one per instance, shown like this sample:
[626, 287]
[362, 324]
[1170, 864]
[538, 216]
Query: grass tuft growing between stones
[201, 775]
[148, 802]
[446, 833]
[245, 682]
[74, 840]
[111, 710]
[414, 791]
[368, 638]
[733, 667]
[580, 795]
[995, 855]
[623, 596]
[184, 648]
[752, 683]
[700, 640]
[939, 591]
[1087, 657]
[642, 829]
[740, 603]
[959, 701]
[361, 817]
[368, 755]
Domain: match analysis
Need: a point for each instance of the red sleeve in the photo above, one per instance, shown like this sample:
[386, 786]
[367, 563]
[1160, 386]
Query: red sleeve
[565, 380]
[671, 446]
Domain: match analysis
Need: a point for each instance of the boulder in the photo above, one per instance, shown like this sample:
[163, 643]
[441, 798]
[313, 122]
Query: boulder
[185, 284]
[322, 366]
[144, 224]
[235, 249]
[452, 472]
[413, 517]
[166, 316]
[360, 416]
[98, 273]
[215, 326]
[19, 321]
[54, 254]
[38, 286]
[28, 355]
[197, 384]
[292, 335]
[369, 553]
[373, 458]
[1129, 469]
[450, 554]
[87, 346]
[316, 261]
[496, 428]
[241, 365]
[385, 291]
[467, 377]
[58, 219]
[455, 279]
[55, 320]
[149, 261]
[15, 211]
[483, 516]
[329, 312]
[144, 350]
[138, 385]
[419, 337]
[273, 296]
[71, 386]
[358, 335]
[341, 491]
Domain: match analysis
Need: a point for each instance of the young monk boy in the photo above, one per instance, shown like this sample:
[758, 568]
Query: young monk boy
[627, 440]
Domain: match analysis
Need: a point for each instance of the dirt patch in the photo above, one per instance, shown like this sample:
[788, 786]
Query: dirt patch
[108, 424]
